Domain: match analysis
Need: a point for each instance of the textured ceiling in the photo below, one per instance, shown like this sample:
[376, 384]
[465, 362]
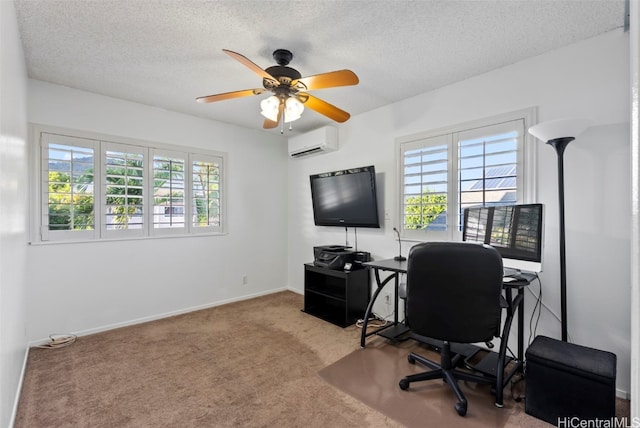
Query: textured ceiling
[167, 53]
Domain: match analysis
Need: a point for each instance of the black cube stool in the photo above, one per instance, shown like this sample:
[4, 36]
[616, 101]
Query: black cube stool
[565, 380]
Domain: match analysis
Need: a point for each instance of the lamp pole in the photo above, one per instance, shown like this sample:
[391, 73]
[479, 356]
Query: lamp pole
[559, 144]
[548, 132]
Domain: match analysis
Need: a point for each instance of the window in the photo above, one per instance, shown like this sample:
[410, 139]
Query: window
[168, 192]
[67, 181]
[426, 180]
[123, 191]
[443, 172]
[100, 187]
[205, 179]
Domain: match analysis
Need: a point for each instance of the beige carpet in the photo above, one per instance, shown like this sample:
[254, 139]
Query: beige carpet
[248, 364]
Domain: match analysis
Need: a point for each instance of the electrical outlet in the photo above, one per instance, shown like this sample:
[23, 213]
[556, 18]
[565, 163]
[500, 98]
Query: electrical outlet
[387, 299]
[245, 279]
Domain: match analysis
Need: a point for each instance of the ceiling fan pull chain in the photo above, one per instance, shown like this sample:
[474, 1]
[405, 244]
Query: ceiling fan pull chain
[282, 123]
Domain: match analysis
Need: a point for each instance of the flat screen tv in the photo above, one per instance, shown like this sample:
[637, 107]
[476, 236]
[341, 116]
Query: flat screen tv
[345, 198]
[516, 231]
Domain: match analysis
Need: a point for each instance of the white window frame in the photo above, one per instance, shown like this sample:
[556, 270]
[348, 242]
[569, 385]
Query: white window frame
[526, 167]
[169, 231]
[100, 143]
[122, 233]
[41, 205]
[193, 157]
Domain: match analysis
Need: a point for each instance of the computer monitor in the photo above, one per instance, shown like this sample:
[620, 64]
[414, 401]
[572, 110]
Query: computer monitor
[516, 231]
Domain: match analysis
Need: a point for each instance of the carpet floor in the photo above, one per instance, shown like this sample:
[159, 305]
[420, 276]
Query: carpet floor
[256, 363]
[252, 363]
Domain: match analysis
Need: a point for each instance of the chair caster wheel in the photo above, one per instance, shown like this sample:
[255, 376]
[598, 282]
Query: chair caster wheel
[411, 359]
[404, 384]
[461, 408]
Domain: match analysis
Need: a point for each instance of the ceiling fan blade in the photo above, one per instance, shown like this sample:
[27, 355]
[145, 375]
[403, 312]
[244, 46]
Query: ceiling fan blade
[248, 63]
[230, 95]
[331, 79]
[323, 107]
[268, 124]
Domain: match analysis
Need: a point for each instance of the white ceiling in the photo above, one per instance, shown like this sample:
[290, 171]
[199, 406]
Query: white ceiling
[167, 53]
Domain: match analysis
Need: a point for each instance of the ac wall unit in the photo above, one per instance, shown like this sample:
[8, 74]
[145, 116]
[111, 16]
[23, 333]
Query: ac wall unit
[317, 141]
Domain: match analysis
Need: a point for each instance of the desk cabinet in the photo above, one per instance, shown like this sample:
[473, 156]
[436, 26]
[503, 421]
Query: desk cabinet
[336, 296]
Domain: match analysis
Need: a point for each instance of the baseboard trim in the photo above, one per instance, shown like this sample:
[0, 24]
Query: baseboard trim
[625, 395]
[16, 401]
[295, 290]
[163, 315]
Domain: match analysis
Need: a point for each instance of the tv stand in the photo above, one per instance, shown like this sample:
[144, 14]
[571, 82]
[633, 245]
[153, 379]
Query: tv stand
[337, 296]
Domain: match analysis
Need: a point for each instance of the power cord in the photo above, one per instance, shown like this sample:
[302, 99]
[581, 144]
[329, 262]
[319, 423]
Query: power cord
[378, 322]
[538, 306]
[59, 341]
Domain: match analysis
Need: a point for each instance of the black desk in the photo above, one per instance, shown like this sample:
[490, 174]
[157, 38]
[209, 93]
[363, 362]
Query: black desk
[395, 268]
[395, 329]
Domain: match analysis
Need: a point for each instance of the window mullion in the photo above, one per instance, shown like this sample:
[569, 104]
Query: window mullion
[188, 194]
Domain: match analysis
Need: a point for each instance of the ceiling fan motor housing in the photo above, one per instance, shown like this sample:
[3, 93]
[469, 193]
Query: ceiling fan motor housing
[281, 72]
[282, 56]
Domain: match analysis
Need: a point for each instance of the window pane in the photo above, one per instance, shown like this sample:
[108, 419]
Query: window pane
[425, 188]
[70, 187]
[168, 192]
[487, 170]
[123, 190]
[206, 193]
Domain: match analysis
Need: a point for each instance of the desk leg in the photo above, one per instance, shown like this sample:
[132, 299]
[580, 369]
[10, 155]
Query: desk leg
[521, 324]
[367, 313]
[396, 298]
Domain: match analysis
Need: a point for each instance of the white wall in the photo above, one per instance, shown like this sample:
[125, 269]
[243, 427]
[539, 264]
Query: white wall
[13, 210]
[588, 79]
[86, 287]
[634, 36]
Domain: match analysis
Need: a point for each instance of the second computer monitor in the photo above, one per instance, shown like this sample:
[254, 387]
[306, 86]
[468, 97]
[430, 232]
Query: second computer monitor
[516, 231]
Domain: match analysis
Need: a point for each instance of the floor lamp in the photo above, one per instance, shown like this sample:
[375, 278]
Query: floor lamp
[558, 134]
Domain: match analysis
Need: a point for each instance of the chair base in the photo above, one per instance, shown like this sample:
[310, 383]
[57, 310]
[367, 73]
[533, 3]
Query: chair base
[446, 371]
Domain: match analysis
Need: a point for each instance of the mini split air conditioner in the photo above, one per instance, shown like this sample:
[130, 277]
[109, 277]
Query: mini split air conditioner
[317, 141]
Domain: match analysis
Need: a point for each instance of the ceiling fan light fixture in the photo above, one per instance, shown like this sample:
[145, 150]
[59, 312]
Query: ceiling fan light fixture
[293, 109]
[269, 108]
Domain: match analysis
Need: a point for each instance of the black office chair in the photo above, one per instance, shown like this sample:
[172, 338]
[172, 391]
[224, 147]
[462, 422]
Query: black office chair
[454, 295]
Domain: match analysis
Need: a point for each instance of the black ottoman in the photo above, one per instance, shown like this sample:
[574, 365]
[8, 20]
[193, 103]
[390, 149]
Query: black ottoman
[564, 380]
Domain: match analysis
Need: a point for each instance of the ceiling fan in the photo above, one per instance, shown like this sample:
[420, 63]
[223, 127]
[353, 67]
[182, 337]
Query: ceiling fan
[289, 90]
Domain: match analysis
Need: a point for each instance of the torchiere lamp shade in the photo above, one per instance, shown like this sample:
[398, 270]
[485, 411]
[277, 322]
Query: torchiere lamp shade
[559, 128]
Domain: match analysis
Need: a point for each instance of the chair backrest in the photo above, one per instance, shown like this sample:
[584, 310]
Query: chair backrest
[453, 291]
